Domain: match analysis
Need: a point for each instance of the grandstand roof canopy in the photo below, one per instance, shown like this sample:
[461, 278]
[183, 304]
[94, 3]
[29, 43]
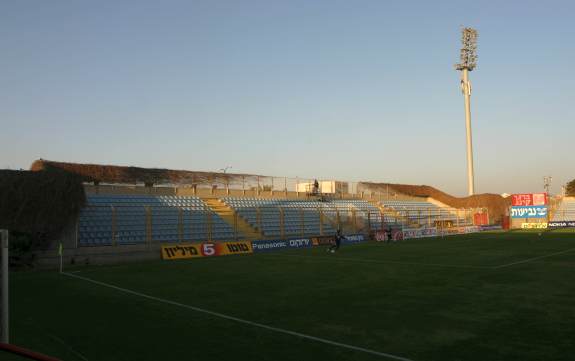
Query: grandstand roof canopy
[155, 176]
[135, 175]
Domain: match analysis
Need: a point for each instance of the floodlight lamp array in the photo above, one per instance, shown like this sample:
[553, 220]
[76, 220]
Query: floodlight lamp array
[468, 54]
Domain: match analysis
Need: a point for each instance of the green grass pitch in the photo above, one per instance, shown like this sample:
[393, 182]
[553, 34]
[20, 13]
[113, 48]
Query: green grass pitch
[489, 296]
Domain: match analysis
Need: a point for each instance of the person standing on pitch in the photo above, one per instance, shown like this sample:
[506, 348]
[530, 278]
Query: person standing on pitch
[389, 235]
[337, 242]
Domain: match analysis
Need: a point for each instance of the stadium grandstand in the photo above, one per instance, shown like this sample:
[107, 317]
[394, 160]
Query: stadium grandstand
[565, 211]
[138, 207]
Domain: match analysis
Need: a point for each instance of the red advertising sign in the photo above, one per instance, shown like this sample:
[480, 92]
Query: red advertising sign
[529, 199]
[539, 199]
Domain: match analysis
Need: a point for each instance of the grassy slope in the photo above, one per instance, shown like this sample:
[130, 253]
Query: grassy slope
[424, 312]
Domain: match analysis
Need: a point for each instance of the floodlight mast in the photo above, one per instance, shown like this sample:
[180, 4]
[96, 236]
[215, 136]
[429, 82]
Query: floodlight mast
[468, 62]
[547, 183]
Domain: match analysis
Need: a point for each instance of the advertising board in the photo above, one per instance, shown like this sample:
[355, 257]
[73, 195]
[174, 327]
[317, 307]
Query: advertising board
[272, 245]
[459, 230]
[323, 240]
[529, 212]
[382, 236]
[181, 251]
[205, 249]
[329, 240]
[239, 247]
[353, 238]
[561, 224]
[490, 228]
[531, 225]
[529, 199]
[409, 233]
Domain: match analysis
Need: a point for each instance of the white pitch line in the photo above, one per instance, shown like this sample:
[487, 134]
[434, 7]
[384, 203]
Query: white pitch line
[534, 258]
[351, 260]
[240, 320]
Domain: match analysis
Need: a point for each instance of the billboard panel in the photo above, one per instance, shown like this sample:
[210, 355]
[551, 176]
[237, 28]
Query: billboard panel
[534, 225]
[181, 251]
[561, 224]
[529, 199]
[239, 247]
[529, 212]
[272, 245]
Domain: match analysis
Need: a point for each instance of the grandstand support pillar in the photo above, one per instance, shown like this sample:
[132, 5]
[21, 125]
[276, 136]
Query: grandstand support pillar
[488, 220]
[180, 224]
[209, 223]
[259, 218]
[320, 209]
[354, 218]
[243, 185]
[4, 318]
[258, 189]
[296, 187]
[301, 216]
[114, 225]
[457, 216]
[236, 226]
[429, 217]
[227, 186]
[338, 219]
[272, 187]
[282, 223]
[76, 232]
[285, 187]
[369, 220]
[148, 212]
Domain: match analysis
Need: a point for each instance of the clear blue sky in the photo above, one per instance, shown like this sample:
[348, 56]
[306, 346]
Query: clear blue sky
[354, 90]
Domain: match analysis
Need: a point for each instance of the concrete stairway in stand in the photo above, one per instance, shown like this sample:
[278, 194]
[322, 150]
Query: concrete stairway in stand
[393, 213]
[228, 214]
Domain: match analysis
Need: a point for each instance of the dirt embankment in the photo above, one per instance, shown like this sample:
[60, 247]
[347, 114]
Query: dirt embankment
[496, 204]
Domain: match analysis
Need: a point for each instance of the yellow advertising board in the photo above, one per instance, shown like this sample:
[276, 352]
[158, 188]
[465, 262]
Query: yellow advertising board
[181, 251]
[239, 247]
[206, 249]
[534, 225]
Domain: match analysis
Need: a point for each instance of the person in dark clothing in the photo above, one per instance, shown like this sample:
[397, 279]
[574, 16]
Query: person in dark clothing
[389, 234]
[337, 242]
[315, 187]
